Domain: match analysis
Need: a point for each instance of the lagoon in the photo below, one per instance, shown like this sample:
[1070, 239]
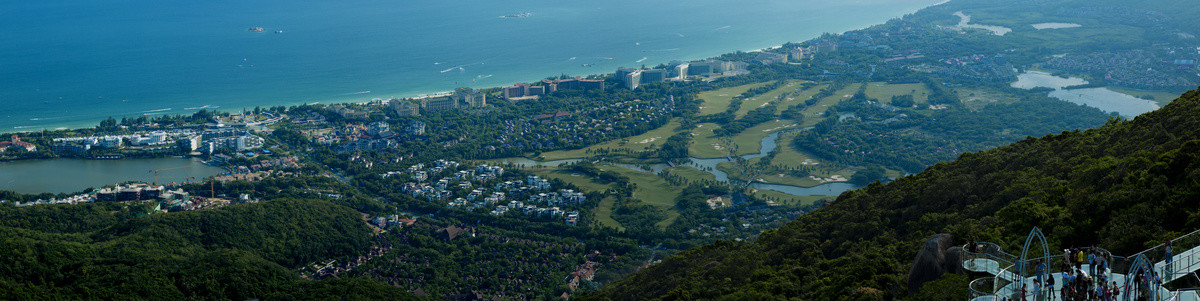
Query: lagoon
[1100, 98]
[1041, 26]
[73, 175]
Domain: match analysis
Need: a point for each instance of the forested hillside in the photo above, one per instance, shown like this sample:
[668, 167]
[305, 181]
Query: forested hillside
[105, 251]
[1124, 186]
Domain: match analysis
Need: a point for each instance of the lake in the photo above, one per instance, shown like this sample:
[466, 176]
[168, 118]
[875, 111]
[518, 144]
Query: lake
[73, 175]
[1100, 98]
[101, 58]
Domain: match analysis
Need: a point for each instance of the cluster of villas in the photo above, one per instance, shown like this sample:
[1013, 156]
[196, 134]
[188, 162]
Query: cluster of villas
[486, 191]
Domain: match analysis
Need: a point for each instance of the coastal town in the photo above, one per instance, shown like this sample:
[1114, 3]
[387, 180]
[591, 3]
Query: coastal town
[564, 184]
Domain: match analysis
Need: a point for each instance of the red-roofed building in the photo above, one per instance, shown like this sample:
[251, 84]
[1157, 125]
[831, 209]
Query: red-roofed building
[17, 144]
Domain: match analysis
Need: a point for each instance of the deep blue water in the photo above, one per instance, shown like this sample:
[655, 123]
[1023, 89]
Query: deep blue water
[70, 63]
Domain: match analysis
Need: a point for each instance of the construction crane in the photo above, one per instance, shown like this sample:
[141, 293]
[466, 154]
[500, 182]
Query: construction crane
[155, 171]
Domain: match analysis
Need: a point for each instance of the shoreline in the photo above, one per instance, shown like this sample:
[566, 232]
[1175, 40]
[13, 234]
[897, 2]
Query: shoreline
[398, 94]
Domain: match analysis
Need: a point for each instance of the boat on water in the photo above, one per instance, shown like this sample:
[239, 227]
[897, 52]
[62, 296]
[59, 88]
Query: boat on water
[256, 29]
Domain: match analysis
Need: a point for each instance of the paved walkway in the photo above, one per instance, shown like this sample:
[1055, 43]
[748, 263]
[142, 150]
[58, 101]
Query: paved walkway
[1185, 262]
[1182, 264]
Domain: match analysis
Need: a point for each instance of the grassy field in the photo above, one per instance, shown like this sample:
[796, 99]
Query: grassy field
[766, 98]
[652, 190]
[717, 101]
[806, 181]
[814, 113]
[750, 140]
[650, 140]
[1161, 97]
[800, 97]
[977, 98]
[778, 198]
[884, 91]
[692, 174]
[788, 155]
[604, 214]
[704, 143]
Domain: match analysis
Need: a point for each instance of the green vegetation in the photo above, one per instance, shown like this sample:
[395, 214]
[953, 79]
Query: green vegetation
[651, 190]
[886, 91]
[579, 180]
[1160, 97]
[237, 252]
[910, 140]
[632, 146]
[772, 197]
[1125, 186]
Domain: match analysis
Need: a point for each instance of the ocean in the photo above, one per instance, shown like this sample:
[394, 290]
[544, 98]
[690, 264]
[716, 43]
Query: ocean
[71, 63]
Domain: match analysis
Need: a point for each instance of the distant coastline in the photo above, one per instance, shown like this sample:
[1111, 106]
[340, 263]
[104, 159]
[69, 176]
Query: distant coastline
[373, 93]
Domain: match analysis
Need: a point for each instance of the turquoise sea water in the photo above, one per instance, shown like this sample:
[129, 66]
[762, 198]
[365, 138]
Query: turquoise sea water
[70, 63]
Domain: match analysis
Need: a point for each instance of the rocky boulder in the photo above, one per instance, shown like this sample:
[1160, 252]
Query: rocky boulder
[939, 255]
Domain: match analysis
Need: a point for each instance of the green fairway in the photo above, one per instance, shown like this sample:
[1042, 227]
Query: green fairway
[705, 144]
[775, 198]
[629, 146]
[693, 174]
[717, 101]
[884, 91]
[652, 190]
[800, 96]
[604, 214]
[815, 113]
[766, 98]
[750, 140]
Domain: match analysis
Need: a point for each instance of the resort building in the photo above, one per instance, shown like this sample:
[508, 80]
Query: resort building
[521, 91]
[462, 97]
[767, 58]
[405, 107]
[16, 144]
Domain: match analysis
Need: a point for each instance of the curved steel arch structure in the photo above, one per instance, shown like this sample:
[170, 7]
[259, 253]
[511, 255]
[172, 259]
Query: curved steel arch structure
[1035, 233]
[1140, 264]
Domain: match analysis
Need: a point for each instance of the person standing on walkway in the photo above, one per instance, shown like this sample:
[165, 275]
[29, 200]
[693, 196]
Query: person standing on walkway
[1092, 261]
[1066, 286]
[1167, 269]
[1116, 291]
[1050, 287]
[1037, 290]
[1040, 269]
[1079, 259]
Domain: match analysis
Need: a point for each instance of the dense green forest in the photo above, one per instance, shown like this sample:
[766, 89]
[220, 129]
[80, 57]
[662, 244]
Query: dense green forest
[1125, 186]
[112, 251]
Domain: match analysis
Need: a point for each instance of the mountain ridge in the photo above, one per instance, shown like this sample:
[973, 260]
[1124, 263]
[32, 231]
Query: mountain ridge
[1124, 186]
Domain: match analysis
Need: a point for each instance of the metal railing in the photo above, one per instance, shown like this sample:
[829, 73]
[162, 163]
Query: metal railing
[1183, 261]
[1010, 272]
[982, 287]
